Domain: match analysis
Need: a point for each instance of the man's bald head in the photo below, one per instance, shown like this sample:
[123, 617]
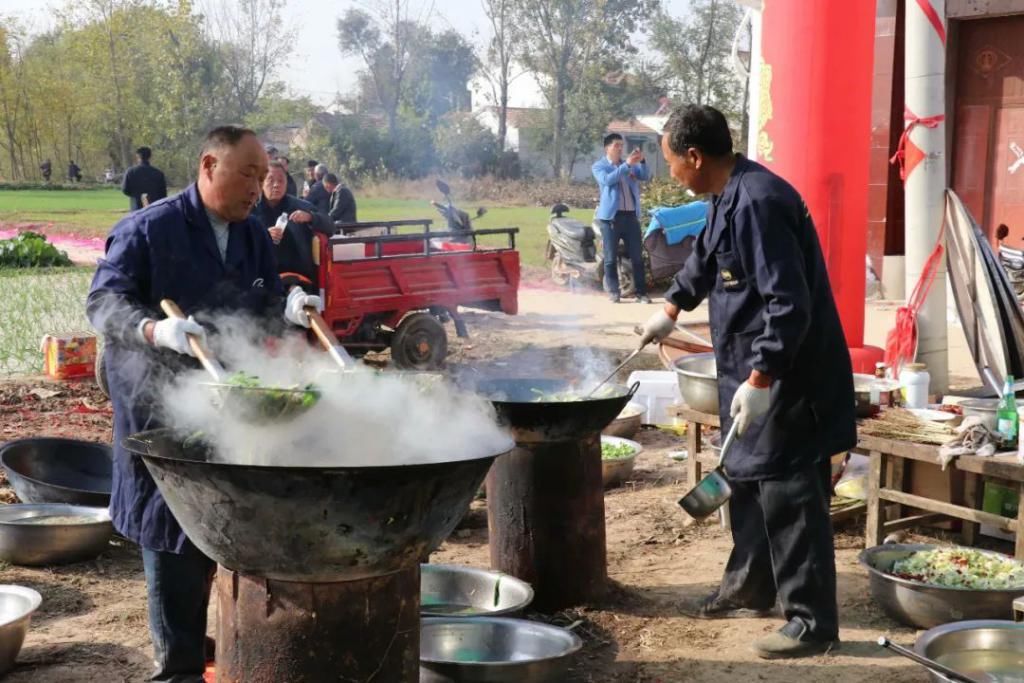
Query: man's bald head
[232, 165]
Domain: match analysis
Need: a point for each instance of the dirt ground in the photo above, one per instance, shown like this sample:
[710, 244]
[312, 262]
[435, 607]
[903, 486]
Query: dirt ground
[92, 624]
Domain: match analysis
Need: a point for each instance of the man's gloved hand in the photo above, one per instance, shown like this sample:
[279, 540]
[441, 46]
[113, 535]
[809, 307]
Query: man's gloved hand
[657, 327]
[749, 403]
[172, 333]
[298, 300]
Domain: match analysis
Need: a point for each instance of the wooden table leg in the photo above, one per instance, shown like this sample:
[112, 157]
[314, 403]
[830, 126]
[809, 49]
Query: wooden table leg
[1019, 549]
[896, 480]
[875, 520]
[693, 447]
[969, 530]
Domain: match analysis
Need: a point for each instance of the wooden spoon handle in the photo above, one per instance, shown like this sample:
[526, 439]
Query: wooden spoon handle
[210, 363]
[326, 336]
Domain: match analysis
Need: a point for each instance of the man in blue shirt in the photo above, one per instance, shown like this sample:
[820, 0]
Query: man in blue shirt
[201, 249]
[619, 213]
[784, 379]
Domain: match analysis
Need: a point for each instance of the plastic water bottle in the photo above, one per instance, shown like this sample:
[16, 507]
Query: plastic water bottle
[1006, 414]
[282, 221]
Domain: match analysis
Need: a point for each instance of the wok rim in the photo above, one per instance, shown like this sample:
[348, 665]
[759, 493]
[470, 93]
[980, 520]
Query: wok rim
[59, 487]
[864, 559]
[624, 392]
[575, 642]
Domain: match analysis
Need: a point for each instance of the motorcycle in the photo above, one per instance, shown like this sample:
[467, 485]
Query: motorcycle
[575, 253]
[458, 221]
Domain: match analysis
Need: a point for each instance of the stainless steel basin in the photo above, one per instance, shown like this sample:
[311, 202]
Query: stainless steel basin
[52, 533]
[450, 590]
[17, 604]
[494, 650]
[985, 650]
[698, 381]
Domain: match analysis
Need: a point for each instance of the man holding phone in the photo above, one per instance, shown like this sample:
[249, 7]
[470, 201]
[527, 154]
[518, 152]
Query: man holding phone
[619, 213]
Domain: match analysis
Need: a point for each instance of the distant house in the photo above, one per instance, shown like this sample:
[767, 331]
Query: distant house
[640, 131]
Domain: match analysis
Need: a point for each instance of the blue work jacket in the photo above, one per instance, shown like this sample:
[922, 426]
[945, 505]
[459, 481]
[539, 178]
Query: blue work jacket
[608, 176]
[760, 265]
[167, 250]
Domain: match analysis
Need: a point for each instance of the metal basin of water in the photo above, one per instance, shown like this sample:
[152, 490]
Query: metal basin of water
[309, 524]
[17, 604]
[52, 470]
[494, 650]
[449, 590]
[53, 537]
[985, 650]
[698, 381]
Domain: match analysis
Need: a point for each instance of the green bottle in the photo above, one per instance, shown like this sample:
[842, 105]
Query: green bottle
[1006, 415]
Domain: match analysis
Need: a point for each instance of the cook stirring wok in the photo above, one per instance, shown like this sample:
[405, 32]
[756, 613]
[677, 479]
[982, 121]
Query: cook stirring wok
[784, 377]
[202, 249]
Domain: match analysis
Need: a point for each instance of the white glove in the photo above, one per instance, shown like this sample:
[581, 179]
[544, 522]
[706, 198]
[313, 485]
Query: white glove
[748, 404]
[297, 301]
[657, 327]
[172, 333]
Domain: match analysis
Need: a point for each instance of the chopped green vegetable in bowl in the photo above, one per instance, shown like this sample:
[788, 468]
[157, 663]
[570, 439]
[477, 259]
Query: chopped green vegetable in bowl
[964, 568]
[273, 402]
[615, 451]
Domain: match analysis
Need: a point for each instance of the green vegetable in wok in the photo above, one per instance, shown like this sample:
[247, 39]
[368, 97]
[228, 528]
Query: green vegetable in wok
[275, 401]
[570, 396]
[615, 451]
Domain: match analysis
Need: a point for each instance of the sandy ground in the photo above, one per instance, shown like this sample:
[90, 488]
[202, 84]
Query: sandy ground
[92, 625]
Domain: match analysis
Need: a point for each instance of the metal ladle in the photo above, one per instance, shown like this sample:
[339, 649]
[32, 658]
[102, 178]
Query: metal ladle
[931, 664]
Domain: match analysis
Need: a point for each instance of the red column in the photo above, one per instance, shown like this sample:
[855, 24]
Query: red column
[815, 128]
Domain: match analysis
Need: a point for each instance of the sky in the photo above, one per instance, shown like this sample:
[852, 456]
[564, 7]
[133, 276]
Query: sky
[317, 68]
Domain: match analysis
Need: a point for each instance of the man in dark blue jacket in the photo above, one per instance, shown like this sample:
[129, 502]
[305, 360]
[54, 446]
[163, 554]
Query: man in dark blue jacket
[201, 249]
[784, 378]
[143, 183]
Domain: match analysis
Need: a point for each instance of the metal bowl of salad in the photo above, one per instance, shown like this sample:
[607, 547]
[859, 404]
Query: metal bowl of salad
[924, 585]
[618, 456]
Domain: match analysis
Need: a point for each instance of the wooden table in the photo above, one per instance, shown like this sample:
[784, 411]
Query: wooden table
[885, 485]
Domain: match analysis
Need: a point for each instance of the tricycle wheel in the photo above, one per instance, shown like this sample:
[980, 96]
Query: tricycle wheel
[420, 343]
[99, 369]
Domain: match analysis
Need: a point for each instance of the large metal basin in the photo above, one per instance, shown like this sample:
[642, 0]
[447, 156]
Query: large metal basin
[923, 606]
[494, 650]
[29, 543]
[52, 470]
[698, 381]
[450, 590]
[985, 650]
[309, 524]
[17, 604]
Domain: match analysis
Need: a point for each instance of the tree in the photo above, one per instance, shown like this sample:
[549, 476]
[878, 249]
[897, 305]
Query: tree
[559, 39]
[464, 146]
[255, 41]
[442, 66]
[498, 60]
[696, 54]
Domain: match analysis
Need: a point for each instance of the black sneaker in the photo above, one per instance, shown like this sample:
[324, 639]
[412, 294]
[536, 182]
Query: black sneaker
[715, 607]
[614, 298]
[643, 299]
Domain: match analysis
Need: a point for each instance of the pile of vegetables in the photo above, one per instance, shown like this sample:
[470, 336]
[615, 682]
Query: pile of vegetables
[570, 396]
[31, 250]
[961, 568]
[615, 451]
[274, 402]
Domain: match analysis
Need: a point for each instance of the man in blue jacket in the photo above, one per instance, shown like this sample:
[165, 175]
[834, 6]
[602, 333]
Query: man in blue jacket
[784, 379]
[619, 213]
[201, 249]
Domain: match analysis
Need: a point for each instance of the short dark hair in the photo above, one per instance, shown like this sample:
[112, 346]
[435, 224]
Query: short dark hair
[700, 126]
[610, 138]
[224, 136]
[331, 178]
[276, 164]
[144, 153]
[312, 163]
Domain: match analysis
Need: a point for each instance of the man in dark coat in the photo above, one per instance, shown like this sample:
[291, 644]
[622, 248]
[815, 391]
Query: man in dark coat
[74, 172]
[201, 249]
[47, 169]
[143, 183]
[784, 380]
[293, 243]
[343, 205]
[318, 194]
[293, 189]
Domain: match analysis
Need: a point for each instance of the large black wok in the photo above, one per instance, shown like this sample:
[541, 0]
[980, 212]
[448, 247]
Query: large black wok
[309, 524]
[522, 406]
[52, 470]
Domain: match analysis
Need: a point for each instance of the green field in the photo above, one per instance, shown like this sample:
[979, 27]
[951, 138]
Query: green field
[94, 212]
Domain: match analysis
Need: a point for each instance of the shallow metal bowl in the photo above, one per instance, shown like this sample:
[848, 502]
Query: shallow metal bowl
[627, 424]
[36, 543]
[698, 381]
[450, 590]
[924, 606]
[17, 604]
[614, 472]
[494, 650]
[982, 650]
[51, 470]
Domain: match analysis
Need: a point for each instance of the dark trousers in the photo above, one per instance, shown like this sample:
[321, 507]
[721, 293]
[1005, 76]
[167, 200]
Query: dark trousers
[625, 227]
[178, 589]
[783, 547]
